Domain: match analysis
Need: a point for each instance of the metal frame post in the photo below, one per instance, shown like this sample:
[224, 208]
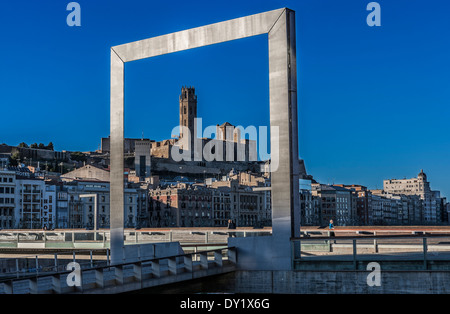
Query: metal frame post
[425, 250]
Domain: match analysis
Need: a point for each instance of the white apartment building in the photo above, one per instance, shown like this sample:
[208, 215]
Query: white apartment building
[81, 210]
[30, 199]
[431, 213]
[26, 203]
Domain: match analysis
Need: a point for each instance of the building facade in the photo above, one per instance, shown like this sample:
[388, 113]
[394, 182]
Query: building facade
[7, 199]
[81, 209]
[182, 205]
[30, 196]
[142, 159]
[337, 204]
[211, 205]
[432, 211]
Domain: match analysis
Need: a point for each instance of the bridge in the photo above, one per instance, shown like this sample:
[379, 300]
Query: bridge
[417, 257]
[125, 277]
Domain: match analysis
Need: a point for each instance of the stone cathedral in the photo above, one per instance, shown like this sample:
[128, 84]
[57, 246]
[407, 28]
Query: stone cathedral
[154, 157]
[226, 146]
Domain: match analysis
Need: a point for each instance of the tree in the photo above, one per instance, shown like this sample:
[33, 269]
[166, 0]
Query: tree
[50, 146]
[78, 156]
[13, 160]
[34, 145]
[41, 146]
[23, 144]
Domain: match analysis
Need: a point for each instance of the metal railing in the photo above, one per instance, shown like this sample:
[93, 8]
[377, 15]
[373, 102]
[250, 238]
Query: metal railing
[128, 276]
[419, 246]
[100, 239]
[17, 267]
[26, 265]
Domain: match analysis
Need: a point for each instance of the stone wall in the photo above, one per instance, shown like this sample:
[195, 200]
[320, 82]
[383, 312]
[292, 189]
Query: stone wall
[315, 282]
[340, 282]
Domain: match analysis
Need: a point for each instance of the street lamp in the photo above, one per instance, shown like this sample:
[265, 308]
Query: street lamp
[95, 211]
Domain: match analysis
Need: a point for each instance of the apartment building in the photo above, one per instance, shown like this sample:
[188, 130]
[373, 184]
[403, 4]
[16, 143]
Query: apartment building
[82, 196]
[182, 205]
[432, 211]
[29, 210]
[337, 204]
[7, 199]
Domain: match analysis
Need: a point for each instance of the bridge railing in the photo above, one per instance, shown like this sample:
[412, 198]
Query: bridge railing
[26, 265]
[131, 274]
[417, 246]
[100, 238]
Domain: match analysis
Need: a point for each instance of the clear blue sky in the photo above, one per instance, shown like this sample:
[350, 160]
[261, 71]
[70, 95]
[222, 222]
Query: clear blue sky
[373, 101]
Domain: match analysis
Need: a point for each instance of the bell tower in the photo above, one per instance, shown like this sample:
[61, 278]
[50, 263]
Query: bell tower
[188, 113]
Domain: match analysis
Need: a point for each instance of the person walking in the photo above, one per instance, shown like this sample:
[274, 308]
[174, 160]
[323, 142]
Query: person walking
[231, 225]
[331, 227]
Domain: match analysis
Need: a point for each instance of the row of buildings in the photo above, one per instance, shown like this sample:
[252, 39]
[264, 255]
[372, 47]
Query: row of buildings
[400, 202]
[35, 203]
[81, 198]
[211, 204]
